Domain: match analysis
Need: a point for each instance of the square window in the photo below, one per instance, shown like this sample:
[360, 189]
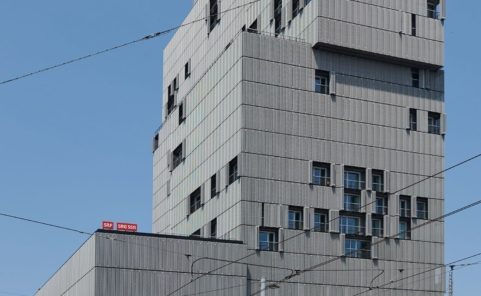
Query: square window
[295, 219]
[353, 180]
[351, 225]
[357, 248]
[268, 239]
[321, 82]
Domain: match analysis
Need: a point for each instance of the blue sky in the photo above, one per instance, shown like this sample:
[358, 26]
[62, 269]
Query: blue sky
[75, 144]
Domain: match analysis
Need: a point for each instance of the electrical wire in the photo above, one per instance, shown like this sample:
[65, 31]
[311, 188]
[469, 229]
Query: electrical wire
[145, 38]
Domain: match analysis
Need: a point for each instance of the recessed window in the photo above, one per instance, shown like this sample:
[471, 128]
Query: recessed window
[170, 99]
[321, 174]
[213, 14]
[295, 218]
[351, 225]
[357, 248]
[352, 202]
[213, 186]
[155, 143]
[378, 181]
[213, 228]
[433, 9]
[177, 156]
[434, 123]
[415, 77]
[405, 206]
[181, 113]
[197, 233]
[187, 69]
[377, 227]
[381, 205]
[278, 16]
[405, 229]
[413, 119]
[321, 221]
[268, 239]
[422, 208]
[321, 82]
[295, 8]
[253, 27]
[354, 179]
[233, 173]
[413, 25]
[195, 200]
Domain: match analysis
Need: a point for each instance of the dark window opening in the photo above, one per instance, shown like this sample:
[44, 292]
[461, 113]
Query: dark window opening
[415, 77]
[268, 239]
[405, 206]
[321, 174]
[413, 119]
[187, 70]
[213, 186]
[377, 181]
[295, 8]
[381, 205]
[195, 200]
[155, 143]
[378, 227]
[404, 229]
[253, 27]
[321, 82]
[433, 9]
[177, 156]
[181, 113]
[278, 16]
[213, 228]
[413, 25]
[213, 14]
[295, 218]
[233, 173]
[262, 214]
[197, 233]
[434, 123]
[170, 99]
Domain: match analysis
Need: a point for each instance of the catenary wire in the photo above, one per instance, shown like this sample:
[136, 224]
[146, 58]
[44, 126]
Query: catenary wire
[145, 38]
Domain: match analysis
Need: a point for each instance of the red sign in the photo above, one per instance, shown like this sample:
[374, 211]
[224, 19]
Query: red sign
[107, 225]
[127, 227]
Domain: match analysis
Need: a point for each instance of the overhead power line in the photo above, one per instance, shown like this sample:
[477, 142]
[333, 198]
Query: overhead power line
[145, 38]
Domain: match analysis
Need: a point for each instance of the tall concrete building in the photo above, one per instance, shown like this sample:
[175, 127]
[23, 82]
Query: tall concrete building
[292, 131]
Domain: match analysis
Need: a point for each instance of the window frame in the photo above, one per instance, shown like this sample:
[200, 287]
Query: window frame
[295, 218]
[434, 123]
[413, 119]
[357, 248]
[233, 170]
[360, 182]
[195, 200]
[422, 214]
[322, 81]
[177, 156]
[324, 177]
[404, 234]
[349, 204]
[378, 186]
[271, 241]
[405, 211]
[321, 224]
[379, 230]
[347, 226]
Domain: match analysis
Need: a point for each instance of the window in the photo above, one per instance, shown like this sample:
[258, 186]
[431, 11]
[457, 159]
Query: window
[434, 123]
[352, 202]
[321, 221]
[381, 205]
[155, 143]
[377, 227]
[351, 225]
[404, 229]
[187, 69]
[357, 248]
[321, 82]
[177, 156]
[377, 181]
[213, 14]
[263, 213]
[197, 233]
[213, 186]
[405, 206]
[422, 208]
[181, 113]
[413, 119]
[353, 180]
[213, 228]
[268, 239]
[233, 175]
[253, 27]
[295, 218]
[170, 99]
[321, 174]
[195, 200]
[413, 25]
[433, 9]
[415, 77]
[278, 16]
[295, 8]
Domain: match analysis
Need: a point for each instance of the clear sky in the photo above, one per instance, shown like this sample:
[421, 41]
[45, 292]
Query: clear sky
[75, 143]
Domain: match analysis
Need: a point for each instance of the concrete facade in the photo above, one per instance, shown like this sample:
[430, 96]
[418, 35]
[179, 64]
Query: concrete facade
[292, 131]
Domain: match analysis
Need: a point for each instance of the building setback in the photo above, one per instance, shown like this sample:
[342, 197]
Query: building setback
[292, 131]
